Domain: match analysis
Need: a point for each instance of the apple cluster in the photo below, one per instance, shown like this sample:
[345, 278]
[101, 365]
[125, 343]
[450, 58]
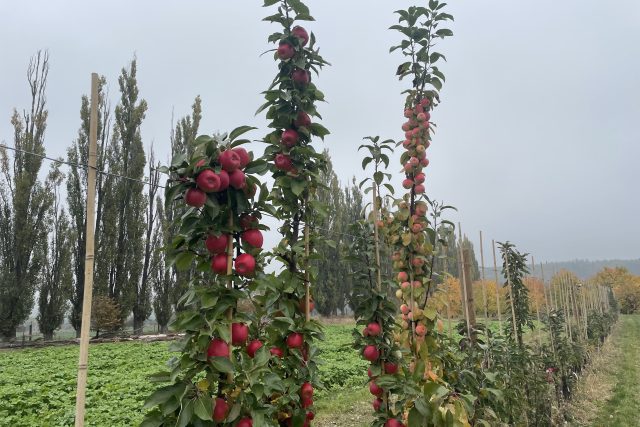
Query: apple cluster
[299, 126]
[416, 133]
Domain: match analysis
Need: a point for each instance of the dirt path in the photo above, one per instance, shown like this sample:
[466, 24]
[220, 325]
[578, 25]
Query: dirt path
[609, 395]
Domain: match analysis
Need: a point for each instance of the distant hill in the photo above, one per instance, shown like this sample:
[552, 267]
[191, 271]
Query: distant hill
[585, 268]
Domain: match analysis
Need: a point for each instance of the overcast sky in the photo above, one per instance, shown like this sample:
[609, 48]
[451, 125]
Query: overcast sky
[538, 132]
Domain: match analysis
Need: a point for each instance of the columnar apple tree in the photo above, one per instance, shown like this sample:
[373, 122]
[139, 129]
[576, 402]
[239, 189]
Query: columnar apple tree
[422, 397]
[295, 165]
[218, 375]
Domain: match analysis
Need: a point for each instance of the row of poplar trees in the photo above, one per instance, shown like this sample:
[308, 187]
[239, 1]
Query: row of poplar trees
[43, 214]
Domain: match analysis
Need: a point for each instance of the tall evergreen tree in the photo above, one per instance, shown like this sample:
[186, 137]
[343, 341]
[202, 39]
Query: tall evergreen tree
[182, 138]
[162, 275]
[121, 245]
[24, 202]
[56, 282]
[78, 154]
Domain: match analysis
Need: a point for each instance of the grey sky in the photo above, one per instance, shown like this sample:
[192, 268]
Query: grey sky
[538, 135]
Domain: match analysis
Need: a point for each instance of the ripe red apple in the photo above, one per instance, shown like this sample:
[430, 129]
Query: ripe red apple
[307, 402]
[239, 333]
[301, 33]
[253, 238]
[217, 244]
[245, 265]
[303, 303]
[218, 348]
[253, 347]
[403, 276]
[306, 391]
[370, 374]
[310, 416]
[377, 404]
[224, 180]
[424, 162]
[201, 163]
[375, 389]
[229, 160]
[195, 197]
[421, 330]
[407, 183]
[275, 351]
[245, 422]
[301, 76]
[374, 329]
[371, 353]
[419, 189]
[248, 221]
[283, 162]
[237, 179]
[244, 156]
[393, 423]
[404, 308]
[289, 138]
[302, 119]
[208, 181]
[220, 410]
[390, 368]
[285, 51]
[219, 264]
[295, 340]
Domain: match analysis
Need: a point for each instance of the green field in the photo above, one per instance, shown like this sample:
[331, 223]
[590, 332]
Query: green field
[37, 387]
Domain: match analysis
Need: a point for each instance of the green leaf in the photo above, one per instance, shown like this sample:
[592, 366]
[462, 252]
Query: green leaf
[163, 394]
[444, 32]
[298, 187]
[415, 418]
[366, 161]
[185, 414]
[298, 7]
[318, 130]
[203, 408]
[183, 260]
[239, 131]
[222, 364]
[268, 3]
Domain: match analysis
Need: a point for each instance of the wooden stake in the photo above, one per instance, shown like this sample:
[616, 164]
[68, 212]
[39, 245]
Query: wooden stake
[469, 290]
[495, 270]
[463, 281]
[89, 255]
[484, 283]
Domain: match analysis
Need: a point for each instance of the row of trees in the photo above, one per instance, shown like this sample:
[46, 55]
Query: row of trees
[42, 234]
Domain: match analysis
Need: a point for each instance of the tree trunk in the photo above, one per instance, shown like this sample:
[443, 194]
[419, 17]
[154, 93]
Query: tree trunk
[78, 333]
[138, 326]
[9, 334]
[163, 329]
[48, 336]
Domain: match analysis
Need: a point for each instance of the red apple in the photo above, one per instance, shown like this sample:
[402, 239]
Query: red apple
[371, 353]
[407, 183]
[393, 423]
[285, 51]
[377, 404]
[218, 348]
[224, 180]
[217, 244]
[245, 265]
[275, 351]
[219, 264]
[403, 276]
[370, 374]
[253, 238]
[201, 163]
[421, 330]
[375, 389]
[302, 119]
[306, 391]
[374, 329]
[303, 303]
[253, 347]
[424, 162]
[289, 138]
[301, 76]
[248, 221]
[283, 162]
[220, 410]
[208, 181]
[300, 33]
[237, 179]
[310, 416]
[239, 333]
[390, 368]
[307, 402]
[244, 156]
[419, 189]
[295, 340]
[195, 197]
[404, 308]
[229, 160]
[245, 422]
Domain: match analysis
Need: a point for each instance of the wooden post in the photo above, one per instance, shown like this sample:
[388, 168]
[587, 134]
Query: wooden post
[567, 307]
[513, 310]
[469, 290]
[87, 296]
[446, 276]
[463, 281]
[484, 283]
[495, 270]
